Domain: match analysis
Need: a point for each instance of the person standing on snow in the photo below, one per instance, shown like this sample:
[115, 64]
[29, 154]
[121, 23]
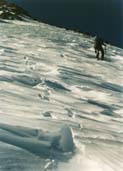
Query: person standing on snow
[98, 46]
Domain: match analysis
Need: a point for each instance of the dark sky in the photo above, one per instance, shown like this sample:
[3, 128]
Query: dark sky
[101, 17]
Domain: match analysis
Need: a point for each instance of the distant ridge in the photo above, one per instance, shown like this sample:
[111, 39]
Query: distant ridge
[11, 11]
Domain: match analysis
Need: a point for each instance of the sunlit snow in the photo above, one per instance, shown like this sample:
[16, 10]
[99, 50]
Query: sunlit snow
[60, 108]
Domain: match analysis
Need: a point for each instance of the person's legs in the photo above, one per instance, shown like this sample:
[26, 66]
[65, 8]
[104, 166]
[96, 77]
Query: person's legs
[97, 54]
[102, 53]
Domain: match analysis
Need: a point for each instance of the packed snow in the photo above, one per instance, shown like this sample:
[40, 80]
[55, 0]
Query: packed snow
[60, 108]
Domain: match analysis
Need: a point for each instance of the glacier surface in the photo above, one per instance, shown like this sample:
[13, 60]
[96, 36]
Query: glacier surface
[60, 108]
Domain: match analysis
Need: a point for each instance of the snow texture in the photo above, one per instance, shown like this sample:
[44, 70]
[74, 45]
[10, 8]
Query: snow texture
[60, 108]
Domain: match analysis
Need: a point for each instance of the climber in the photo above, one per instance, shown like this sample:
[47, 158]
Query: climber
[98, 46]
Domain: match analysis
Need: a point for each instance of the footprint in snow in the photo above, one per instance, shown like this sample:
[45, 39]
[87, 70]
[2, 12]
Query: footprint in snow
[47, 114]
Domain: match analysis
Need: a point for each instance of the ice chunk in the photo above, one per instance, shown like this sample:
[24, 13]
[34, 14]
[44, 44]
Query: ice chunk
[38, 142]
[66, 143]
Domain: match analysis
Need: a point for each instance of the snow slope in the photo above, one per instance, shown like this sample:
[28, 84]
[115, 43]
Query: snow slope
[60, 108]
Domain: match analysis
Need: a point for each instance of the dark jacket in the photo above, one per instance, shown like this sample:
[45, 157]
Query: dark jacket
[98, 43]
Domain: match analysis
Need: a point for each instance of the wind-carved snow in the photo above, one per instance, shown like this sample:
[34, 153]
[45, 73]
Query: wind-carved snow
[60, 108]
